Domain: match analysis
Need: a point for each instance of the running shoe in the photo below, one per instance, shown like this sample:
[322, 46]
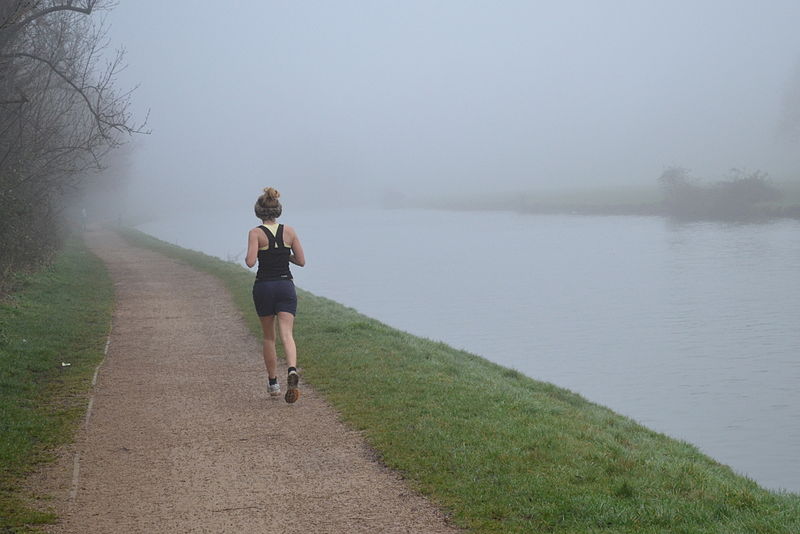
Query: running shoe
[292, 393]
[274, 389]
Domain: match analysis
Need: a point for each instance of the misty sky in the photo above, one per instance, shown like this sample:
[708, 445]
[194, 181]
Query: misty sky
[330, 99]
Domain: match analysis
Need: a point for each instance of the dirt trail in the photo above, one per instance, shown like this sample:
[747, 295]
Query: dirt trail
[182, 436]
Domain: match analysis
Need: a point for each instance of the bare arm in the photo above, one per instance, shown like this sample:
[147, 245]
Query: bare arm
[252, 248]
[297, 257]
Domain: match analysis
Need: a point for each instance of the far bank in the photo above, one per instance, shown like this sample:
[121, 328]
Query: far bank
[701, 203]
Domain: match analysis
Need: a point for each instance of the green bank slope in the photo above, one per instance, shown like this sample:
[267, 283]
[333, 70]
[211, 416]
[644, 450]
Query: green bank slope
[59, 315]
[500, 451]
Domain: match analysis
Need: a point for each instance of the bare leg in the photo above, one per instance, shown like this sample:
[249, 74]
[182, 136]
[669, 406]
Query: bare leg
[286, 324]
[270, 355]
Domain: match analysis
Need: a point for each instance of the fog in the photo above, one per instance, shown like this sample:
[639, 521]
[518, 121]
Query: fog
[350, 101]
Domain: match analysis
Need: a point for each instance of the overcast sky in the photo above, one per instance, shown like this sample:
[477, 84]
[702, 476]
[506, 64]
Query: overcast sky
[330, 99]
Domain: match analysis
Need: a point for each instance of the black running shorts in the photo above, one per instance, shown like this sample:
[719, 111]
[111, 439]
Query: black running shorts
[273, 296]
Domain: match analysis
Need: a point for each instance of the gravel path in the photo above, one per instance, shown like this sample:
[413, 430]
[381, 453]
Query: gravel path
[182, 436]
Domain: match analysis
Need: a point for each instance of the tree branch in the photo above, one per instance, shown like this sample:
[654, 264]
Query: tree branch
[52, 9]
[23, 98]
[103, 123]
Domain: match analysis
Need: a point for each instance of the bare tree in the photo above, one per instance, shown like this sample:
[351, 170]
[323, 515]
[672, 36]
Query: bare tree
[60, 114]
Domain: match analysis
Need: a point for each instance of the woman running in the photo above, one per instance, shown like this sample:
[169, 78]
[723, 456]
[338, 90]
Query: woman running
[275, 246]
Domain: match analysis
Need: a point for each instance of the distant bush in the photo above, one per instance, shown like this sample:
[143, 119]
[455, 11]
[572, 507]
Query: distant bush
[742, 195]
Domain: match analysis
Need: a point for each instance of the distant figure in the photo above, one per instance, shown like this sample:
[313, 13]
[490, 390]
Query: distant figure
[84, 216]
[275, 246]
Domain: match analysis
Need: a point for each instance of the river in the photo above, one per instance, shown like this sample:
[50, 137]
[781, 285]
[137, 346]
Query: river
[692, 329]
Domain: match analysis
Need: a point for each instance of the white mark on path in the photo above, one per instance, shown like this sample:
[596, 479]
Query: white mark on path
[76, 461]
[88, 412]
[76, 470]
[105, 353]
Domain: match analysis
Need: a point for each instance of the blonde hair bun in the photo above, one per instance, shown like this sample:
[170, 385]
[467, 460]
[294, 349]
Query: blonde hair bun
[268, 206]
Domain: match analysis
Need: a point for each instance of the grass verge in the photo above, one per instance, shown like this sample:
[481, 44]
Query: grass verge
[500, 451]
[58, 314]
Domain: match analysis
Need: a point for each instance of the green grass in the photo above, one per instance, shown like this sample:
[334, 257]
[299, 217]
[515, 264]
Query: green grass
[59, 314]
[500, 451]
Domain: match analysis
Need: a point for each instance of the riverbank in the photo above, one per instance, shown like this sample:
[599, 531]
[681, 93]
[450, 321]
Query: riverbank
[53, 329]
[632, 201]
[501, 451]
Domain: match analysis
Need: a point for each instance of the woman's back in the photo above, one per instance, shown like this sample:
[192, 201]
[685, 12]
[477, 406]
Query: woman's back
[273, 256]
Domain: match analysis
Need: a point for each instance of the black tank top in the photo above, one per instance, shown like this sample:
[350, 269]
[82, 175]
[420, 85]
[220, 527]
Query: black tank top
[273, 261]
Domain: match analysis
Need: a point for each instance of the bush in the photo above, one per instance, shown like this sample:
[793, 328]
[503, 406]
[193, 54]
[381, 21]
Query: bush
[742, 195]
